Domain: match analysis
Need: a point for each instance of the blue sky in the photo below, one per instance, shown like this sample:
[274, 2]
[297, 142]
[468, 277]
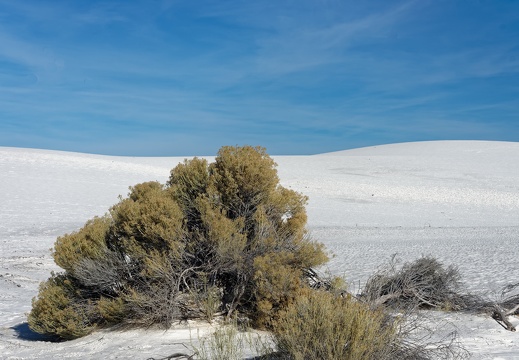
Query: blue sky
[164, 78]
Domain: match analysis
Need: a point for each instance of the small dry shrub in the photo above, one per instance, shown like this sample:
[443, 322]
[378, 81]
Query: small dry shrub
[424, 283]
[323, 326]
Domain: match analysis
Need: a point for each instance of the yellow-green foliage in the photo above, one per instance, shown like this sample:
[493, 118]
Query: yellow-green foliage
[243, 177]
[56, 312]
[188, 182]
[112, 310]
[228, 227]
[88, 242]
[320, 325]
[147, 219]
[225, 237]
[277, 282]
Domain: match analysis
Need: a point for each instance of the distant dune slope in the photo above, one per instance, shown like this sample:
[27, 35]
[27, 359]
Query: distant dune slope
[439, 148]
[439, 183]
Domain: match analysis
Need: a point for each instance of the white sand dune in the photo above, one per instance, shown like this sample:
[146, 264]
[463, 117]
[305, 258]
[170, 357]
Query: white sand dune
[455, 200]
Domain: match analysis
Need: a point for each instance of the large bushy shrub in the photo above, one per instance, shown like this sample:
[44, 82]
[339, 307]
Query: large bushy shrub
[220, 237]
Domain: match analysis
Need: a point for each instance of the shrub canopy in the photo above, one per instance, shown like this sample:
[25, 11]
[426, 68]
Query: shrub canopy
[221, 237]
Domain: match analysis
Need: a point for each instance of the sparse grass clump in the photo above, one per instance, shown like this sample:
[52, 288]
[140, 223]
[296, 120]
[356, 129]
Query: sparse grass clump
[225, 343]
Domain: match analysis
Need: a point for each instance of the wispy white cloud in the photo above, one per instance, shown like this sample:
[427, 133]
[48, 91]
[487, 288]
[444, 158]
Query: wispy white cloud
[292, 47]
[29, 54]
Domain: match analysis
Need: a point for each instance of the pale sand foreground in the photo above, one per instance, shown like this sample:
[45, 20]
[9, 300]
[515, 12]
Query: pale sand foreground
[457, 201]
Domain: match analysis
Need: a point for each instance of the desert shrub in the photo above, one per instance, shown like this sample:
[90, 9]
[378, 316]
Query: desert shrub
[424, 283]
[320, 325]
[223, 237]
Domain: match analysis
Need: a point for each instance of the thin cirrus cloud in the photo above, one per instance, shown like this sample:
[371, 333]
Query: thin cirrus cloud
[169, 78]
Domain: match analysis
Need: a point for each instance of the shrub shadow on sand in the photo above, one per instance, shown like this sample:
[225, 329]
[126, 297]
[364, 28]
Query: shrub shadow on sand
[24, 332]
